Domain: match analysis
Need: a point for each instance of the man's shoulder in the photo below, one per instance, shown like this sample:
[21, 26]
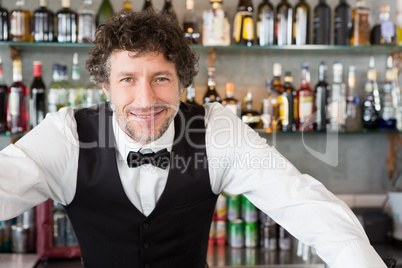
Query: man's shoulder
[82, 113]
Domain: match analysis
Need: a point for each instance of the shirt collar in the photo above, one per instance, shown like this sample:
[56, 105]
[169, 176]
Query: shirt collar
[125, 144]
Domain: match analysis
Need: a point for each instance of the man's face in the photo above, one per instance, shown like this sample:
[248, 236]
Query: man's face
[144, 93]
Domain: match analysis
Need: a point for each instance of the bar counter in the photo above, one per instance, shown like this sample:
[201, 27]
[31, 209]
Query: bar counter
[218, 257]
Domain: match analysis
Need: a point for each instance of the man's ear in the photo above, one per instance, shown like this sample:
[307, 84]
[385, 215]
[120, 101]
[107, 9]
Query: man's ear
[105, 90]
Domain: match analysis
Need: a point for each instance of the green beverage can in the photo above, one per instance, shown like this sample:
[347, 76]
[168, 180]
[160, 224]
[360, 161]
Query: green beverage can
[251, 234]
[251, 256]
[236, 256]
[233, 208]
[236, 233]
[249, 212]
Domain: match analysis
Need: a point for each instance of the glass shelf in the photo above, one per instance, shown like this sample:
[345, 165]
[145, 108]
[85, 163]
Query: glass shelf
[375, 49]
[263, 132]
[10, 135]
[358, 132]
[45, 44]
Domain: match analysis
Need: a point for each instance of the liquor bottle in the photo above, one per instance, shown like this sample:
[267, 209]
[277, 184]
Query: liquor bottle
[353, 111]
[168, 9]
[371, 104]
[321, 93]
[277, 86]
[274, 89]
[265, 23]
[148, 6]
[190, 24]
[20, 23]
[276, 82]
[342, 23]
[86, 22]
[361, 24]
[215, 27]
[76, 92]
[4, 23]
[65, 81]
[57, 94]
[249, 116]
[18, 102]
[42, 21]
[384, 32]
[337, 99]
[66, 20]
[392, 75]
[388, 108]
[286, 104]
[3, 100]
[283, 23]
[322, 24]
[230, 102]
[270, 110]
[243, 26]
[305, 101]
[127, 6]
[94, 94]
[301, 23]
[190, 98]
[37, 103]
[398, 21]
[104, 12]
[59, 225]
[211, 95]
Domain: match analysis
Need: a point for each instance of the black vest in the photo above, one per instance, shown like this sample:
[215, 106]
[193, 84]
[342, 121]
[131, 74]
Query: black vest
[111, 231]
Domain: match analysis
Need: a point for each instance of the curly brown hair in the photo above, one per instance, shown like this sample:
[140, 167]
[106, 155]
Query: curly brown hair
[141, 32]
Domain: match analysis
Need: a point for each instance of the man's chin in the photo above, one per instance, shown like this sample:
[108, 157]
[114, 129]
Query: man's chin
[145, 137]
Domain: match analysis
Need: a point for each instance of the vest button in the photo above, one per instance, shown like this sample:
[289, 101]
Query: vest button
[146, 245]
[145, 225]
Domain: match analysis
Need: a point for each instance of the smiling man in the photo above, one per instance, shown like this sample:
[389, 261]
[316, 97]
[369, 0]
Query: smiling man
[139, 176]
[144, 100]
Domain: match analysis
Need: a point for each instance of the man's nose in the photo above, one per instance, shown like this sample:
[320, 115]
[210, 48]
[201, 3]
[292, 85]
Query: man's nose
[145, 95]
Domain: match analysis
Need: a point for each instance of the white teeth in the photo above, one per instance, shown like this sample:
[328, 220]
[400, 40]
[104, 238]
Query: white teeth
[144, 117]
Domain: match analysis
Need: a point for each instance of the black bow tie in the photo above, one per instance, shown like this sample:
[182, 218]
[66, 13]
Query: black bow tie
[159, 159]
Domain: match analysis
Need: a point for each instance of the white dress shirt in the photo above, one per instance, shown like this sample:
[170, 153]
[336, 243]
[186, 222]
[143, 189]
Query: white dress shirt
[43, 164]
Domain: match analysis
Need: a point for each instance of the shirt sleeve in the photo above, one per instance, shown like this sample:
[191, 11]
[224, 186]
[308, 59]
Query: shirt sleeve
[40, 165]
[241, 162]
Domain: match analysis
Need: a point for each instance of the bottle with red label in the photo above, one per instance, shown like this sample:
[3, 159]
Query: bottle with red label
[305, 97]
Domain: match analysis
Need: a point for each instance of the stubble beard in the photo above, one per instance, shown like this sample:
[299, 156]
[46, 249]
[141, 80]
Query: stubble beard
[146, 133]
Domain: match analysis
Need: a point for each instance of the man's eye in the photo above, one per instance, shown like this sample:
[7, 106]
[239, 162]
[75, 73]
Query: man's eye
[161, 79]
[127, 79]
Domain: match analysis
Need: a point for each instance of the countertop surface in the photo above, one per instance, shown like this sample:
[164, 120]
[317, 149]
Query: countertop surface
[218, 257]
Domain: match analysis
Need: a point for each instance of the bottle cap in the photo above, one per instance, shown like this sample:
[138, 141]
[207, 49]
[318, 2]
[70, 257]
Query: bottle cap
[65, 3]
[385, 8]
[189, 4]
[337, 67]
[43, 3]
[127, 5]
[305, 65]
[277, 69]
[288, 77]
[230, 88]
[322, 67]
